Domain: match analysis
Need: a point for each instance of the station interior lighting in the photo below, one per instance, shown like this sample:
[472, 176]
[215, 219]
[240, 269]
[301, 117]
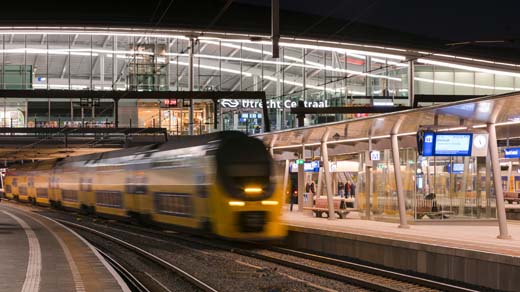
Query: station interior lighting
[237, 203]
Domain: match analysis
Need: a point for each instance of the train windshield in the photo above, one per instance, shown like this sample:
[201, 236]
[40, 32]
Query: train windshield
[244, 168]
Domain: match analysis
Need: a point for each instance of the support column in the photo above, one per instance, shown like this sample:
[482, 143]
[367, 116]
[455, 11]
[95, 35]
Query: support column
[286, 179]
[497, 179]
[399, 182]
[116, 112]
[301, 181]
[411, 85]
[325, 158]
[190, 85]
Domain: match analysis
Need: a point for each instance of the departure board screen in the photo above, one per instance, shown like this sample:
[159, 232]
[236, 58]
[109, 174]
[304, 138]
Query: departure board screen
[455, 144]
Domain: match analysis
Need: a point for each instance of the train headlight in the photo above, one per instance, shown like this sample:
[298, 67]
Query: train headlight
[270, 203]
[237, 203]
[252, 191]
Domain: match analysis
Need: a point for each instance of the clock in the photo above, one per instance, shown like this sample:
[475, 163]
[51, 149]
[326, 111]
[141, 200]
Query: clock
[480, 141]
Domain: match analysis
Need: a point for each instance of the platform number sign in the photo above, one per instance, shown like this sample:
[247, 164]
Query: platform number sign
[375, 155]
[425, 143]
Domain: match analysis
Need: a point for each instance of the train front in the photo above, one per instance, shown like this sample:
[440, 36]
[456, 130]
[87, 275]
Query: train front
[249, 201]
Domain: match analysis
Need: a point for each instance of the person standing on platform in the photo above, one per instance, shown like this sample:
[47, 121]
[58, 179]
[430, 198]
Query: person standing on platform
[294, 198]
[353, 190]
[347, 189]
[341, 189]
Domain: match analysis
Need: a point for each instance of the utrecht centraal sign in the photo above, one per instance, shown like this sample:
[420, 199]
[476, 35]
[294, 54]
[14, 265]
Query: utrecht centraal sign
[276, 104]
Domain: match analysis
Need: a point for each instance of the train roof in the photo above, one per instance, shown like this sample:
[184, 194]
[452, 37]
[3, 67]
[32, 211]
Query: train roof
[175, 142]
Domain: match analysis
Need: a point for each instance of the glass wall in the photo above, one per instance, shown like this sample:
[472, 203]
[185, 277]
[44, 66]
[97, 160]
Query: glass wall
[319, 75]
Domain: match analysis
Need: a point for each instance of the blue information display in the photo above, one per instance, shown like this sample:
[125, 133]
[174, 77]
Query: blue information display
[454, 144]
[512, 153]
[444, 144]
[428, 144]
[455, 168]
[313, 166]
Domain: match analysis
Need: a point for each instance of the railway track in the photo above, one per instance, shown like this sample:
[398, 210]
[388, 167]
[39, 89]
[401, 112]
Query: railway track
[369, 277]
[364, 276]
[133, 283]
[197, 283]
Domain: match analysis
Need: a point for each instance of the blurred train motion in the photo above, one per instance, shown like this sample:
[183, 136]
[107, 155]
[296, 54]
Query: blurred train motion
[222, 183]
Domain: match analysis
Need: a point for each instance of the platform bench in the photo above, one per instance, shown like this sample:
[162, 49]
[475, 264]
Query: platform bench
[340, 207]
[435, 215]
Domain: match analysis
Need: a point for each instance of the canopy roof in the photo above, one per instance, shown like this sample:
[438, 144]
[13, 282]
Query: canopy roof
[471, 115]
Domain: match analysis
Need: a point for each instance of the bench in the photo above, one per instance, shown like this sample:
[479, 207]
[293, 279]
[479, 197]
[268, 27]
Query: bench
[511, 197]
[435, 215]
[341, 207]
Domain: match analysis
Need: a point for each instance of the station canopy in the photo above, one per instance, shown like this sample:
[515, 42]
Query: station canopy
[465, 116]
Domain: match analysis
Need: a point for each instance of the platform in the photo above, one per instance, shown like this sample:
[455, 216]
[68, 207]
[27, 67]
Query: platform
[41, 255]
[465, 252]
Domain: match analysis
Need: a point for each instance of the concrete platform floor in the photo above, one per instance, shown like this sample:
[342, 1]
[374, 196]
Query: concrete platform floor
[465, 236]
[38, 254]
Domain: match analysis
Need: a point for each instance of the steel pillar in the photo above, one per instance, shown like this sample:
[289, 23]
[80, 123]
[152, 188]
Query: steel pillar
[399, 182]
[190, 85]
[497, 179]
[301, 181]
[411, 85]
[328, 184]
[275, 27]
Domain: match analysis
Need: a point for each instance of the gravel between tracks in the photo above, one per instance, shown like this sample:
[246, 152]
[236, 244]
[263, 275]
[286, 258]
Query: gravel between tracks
[223, 270]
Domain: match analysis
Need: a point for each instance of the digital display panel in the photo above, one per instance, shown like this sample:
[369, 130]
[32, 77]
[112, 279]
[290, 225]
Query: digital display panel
[312, 166]
[427, 149]
[455, 144]
[455, 168]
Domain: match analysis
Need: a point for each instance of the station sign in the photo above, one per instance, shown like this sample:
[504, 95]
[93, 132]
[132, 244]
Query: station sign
[271, 104]
[512, 152]
[375, 155]
[300, 161]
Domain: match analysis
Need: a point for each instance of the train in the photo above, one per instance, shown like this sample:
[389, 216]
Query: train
[222, 183]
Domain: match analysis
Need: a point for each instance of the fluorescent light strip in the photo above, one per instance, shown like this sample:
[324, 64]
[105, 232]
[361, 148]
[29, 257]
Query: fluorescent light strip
[312, 65]
[35, 31]
[468, 68]
[218, 68]
[315, 64]
[465, 84]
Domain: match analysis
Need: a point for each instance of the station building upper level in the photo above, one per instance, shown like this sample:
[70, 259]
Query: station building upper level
[319, 72]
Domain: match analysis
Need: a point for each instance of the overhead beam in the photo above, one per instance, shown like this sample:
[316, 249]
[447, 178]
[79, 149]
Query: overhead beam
[68, 94]
[348, 110]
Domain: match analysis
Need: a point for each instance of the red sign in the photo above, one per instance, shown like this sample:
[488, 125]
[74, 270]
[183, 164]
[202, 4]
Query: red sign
[170, 102]
[360, 115]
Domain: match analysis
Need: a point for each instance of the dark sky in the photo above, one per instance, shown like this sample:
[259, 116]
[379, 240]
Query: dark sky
[443, 19]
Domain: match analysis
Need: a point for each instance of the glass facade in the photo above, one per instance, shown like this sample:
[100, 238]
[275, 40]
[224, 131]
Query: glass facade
[320, 73]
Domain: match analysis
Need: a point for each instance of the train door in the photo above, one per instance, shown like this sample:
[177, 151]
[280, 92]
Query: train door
[138, 201]
[86, 194]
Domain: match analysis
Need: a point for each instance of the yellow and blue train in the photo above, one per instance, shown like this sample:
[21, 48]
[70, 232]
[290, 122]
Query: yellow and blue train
[222, 183]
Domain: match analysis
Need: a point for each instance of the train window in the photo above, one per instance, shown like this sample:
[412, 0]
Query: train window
[41, 193]
[22, 191]
[69, 195]
[110, 199]
[8, 189]
[136, 184]
[243, 162]
[30, 182]
[176, 204]
[15, 182]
